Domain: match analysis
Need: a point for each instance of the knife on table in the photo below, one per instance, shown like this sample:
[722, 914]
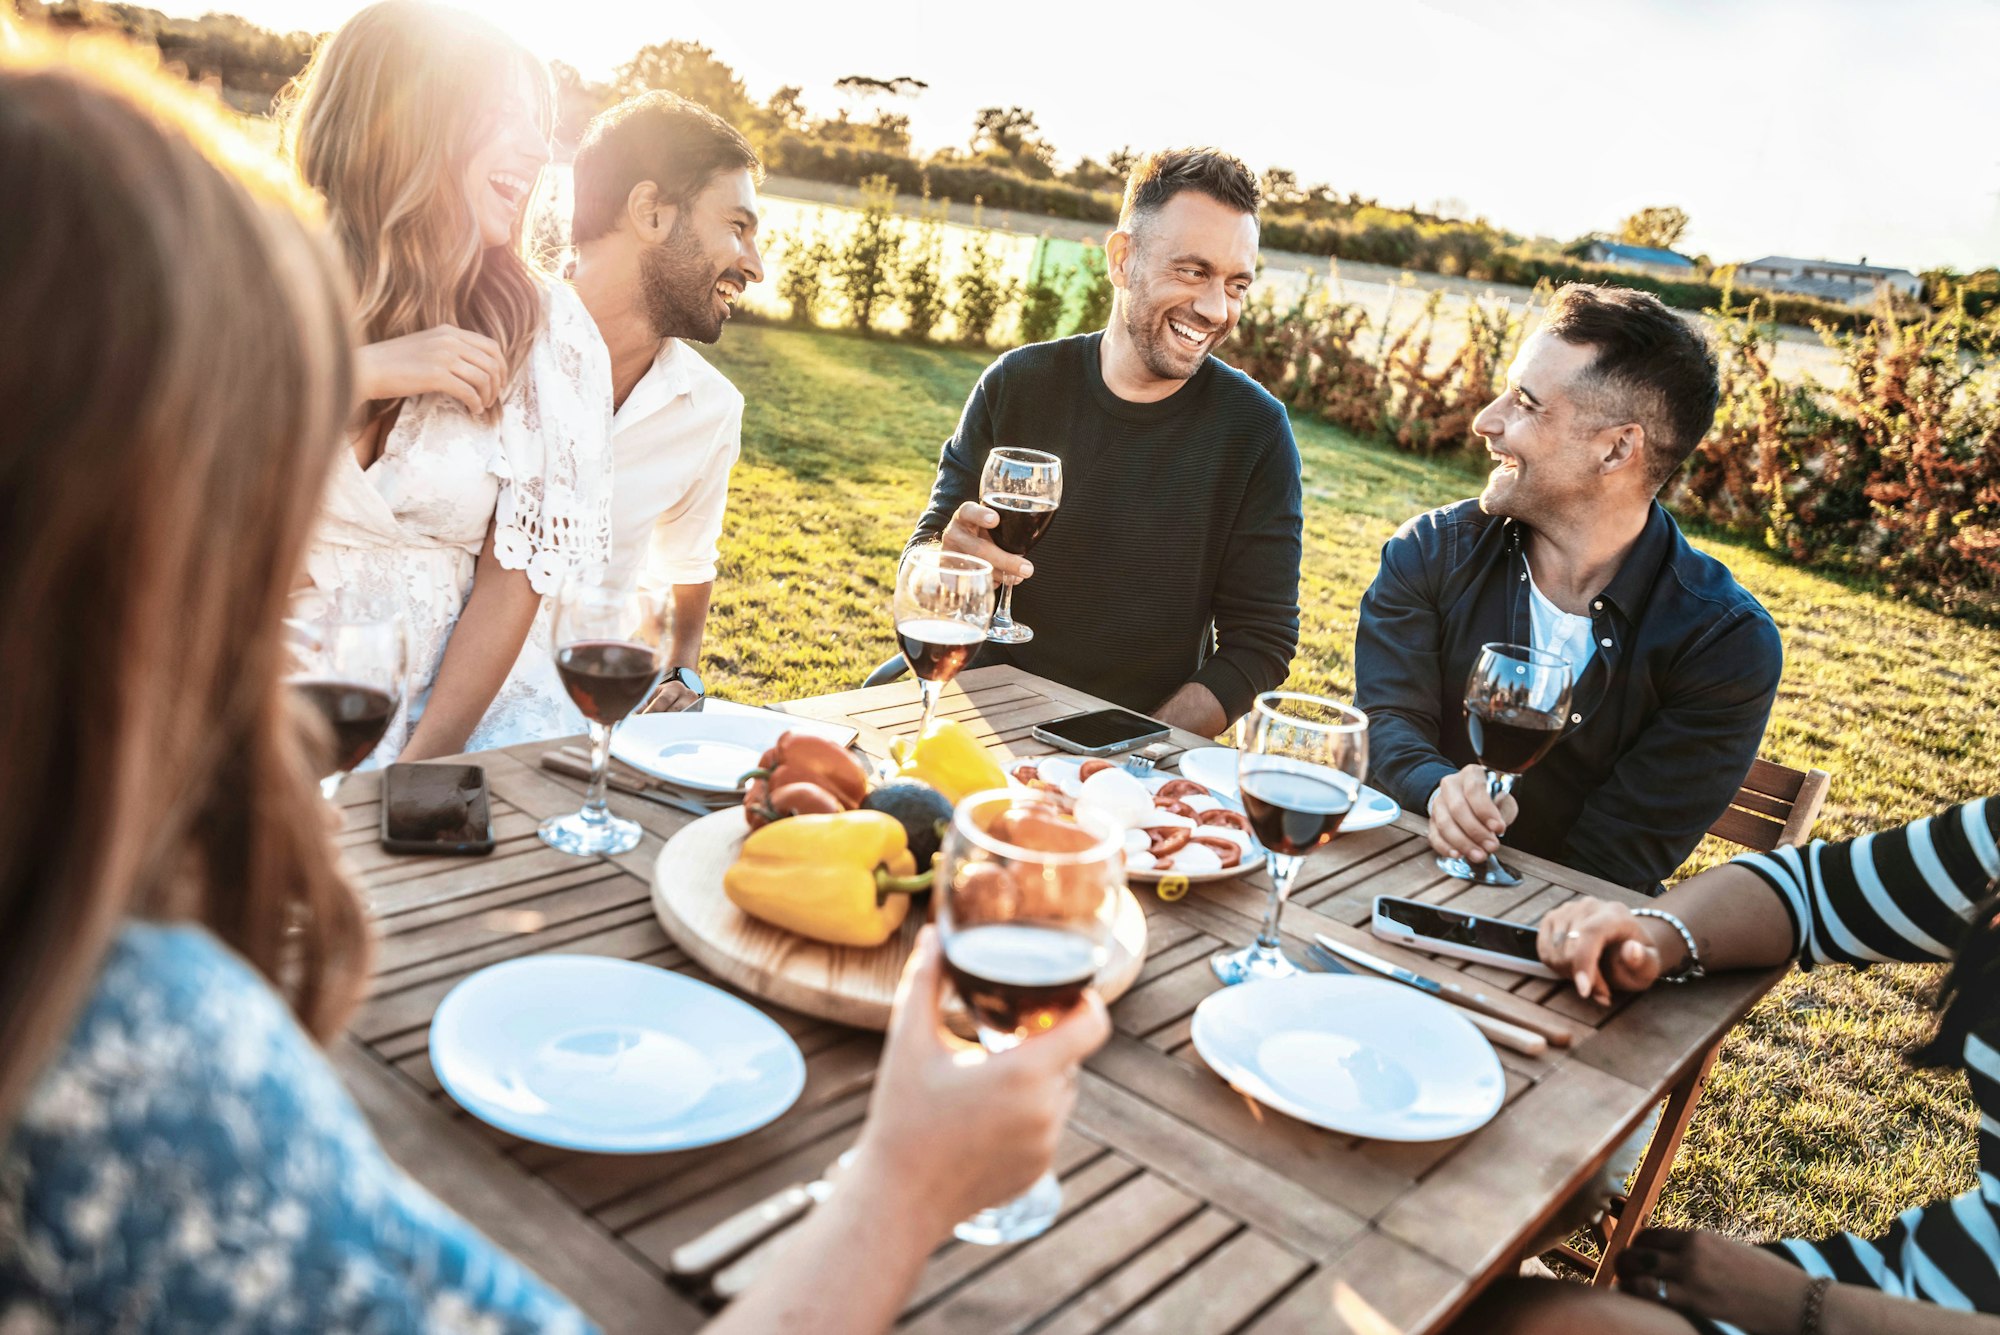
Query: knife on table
[1532, 1040]
[739, 1236]
[558, 763]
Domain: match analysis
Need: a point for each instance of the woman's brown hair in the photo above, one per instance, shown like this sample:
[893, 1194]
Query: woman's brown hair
[381, 123]
[174, 372]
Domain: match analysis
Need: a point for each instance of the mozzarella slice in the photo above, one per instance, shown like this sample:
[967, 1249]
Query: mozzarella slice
[1195, 859]
[1200, 802]
[1157, 819]
[1137, 842]
[1117, 795]
[1060, 771]
[1140, 861]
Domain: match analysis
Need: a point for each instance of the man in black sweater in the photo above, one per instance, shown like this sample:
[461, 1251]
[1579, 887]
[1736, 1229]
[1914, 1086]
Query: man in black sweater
[1169, 579]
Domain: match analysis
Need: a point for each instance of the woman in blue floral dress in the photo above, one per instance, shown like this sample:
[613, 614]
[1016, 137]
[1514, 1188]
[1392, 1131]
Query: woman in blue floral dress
[175, 931]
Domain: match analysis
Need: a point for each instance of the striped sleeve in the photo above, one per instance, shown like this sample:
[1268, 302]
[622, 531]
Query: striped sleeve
[1898, 895]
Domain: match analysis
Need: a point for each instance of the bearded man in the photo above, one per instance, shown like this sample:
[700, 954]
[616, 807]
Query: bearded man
[665, 233]
[1168, 581]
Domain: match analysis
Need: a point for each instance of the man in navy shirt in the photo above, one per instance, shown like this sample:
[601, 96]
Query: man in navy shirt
[1568, 550]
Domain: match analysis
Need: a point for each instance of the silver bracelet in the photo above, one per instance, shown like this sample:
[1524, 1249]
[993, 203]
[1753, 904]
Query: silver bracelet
[1693, 968]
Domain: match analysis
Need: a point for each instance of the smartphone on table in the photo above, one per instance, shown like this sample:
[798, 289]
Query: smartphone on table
[1102, 732]
[436, 808]
[1461, 935]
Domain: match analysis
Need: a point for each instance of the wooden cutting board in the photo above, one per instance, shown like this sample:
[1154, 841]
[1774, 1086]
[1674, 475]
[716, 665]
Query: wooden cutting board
[845, 984]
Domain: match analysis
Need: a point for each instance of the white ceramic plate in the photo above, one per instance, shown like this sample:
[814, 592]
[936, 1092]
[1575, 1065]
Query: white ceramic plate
[590, 1053]
[1253, 859]
[712, 750]
[1215, 767]
[1360, 1055]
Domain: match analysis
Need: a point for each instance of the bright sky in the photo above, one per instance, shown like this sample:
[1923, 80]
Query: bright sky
[1823, 128]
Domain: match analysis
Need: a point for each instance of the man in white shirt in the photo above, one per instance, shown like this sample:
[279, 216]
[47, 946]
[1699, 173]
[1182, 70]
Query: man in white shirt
[665, 234]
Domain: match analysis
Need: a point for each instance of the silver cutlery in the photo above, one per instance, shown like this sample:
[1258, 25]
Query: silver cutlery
[1503, 1032]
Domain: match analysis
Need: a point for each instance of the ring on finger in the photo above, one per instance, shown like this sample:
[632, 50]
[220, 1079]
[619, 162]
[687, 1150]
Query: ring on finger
[1659, 1289]
[1572, 935]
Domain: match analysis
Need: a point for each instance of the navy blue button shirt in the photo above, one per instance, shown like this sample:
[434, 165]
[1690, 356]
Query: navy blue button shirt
[1664, 723]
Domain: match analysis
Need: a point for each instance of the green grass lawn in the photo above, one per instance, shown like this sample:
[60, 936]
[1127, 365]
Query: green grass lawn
[1812, 1123]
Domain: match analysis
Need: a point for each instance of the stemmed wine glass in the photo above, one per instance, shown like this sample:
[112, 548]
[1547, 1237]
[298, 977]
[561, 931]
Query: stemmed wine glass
[1028, 892]
[943, 604]
[611, 650]
[350, 655]
[1516, 706]
[1023, 487]
[1300, 764]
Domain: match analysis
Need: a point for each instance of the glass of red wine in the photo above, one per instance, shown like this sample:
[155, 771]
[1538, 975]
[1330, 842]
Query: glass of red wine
[943, 603]
[350, 654]
[1300, 764]
[1023, 487]
[611, 651]
[1028, 892]
[1516, 706]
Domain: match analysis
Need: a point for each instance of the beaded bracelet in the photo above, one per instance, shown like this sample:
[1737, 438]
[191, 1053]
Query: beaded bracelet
[1815, 1299]
[1693, 969]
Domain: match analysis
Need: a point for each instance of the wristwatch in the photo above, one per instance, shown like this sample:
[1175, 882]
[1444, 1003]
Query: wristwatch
[687, 677]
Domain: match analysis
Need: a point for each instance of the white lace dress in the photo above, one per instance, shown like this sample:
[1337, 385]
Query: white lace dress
[410, 526]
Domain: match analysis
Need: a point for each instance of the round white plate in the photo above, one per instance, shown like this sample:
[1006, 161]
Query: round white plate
[1158, 779]
[1361, 1055]
[704, 751]
[1215, 767]
[589, 1053]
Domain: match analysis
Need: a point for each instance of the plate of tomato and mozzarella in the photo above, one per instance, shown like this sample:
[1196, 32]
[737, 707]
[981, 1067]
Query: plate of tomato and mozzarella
[1173, 825]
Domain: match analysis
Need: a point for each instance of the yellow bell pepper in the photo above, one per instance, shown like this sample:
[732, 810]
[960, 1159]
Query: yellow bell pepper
[842, 877]
[950, 759]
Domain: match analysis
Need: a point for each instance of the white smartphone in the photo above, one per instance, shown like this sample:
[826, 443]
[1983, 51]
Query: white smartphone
[1465, 936]
[1102, 732]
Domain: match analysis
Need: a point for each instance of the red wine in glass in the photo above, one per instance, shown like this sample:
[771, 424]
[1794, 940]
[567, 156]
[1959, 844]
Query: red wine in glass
[1021, 977]
[938, 648]
[357, 715]
[608, 679]
[1291, 812]
[1509, 740]
[1023, 520]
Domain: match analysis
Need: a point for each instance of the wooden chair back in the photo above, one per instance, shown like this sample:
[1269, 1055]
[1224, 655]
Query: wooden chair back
[1775, 807]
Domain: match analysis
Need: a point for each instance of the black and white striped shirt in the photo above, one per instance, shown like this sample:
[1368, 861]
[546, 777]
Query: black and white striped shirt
[1907, 895]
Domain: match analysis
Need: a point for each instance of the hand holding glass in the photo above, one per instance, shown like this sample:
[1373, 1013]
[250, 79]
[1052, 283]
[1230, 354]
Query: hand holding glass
[1023, 487]
[1300, 764]
[1516, 706]
[943, 603]
[611, 647]
[1027, 893]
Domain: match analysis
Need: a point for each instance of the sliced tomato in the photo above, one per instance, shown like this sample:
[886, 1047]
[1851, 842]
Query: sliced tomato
[1235, 820]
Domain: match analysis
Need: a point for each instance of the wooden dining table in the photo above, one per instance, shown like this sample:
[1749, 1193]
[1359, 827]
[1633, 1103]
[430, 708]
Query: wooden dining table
[1188, 1206]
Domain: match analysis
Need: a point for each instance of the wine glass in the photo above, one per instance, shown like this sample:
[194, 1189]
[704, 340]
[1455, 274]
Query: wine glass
[1516, 706]
[350, 654]
[611, 650]
[1300, 764]
[943, 604]
[1023, 487]
[1028, 892]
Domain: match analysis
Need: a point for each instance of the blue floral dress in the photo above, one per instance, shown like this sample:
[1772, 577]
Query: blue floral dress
[190, 1162]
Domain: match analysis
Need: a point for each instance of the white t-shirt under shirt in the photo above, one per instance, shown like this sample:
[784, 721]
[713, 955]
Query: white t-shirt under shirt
[1554, 631]
[673, 442]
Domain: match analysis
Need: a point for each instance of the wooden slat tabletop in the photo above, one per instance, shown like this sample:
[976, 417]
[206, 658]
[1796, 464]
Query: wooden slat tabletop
[1188, 1207]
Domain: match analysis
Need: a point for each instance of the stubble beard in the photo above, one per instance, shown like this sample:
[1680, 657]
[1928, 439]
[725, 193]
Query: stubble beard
[678, 290]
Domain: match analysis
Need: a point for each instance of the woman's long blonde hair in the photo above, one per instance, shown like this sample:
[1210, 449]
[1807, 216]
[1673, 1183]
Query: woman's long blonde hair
[381, 124]
[174, 377]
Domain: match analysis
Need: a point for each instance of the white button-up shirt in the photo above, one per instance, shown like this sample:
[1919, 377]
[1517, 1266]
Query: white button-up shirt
[673, 442]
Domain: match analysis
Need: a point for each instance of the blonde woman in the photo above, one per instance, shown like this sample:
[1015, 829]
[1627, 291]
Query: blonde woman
[479, 468]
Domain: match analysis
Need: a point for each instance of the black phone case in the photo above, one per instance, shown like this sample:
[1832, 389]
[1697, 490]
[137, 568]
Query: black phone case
[465, 848]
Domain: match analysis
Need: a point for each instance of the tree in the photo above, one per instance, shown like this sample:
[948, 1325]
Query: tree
[689, 69]
[1280, 187]
[1659, 227]
[1010, 137]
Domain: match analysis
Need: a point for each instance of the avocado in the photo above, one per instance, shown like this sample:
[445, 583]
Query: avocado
[925, 814]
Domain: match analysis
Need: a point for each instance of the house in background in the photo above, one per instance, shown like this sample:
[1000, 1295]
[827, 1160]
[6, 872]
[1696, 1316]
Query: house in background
[1646, 259]
[1830, 280]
